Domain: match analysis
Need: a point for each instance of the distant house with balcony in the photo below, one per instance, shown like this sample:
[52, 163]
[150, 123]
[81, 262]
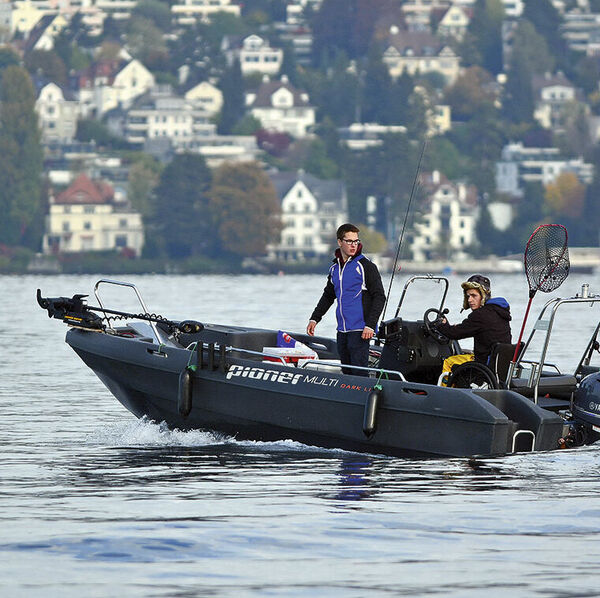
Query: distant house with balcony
[311, 210]
[281, 107]
[88, 217]
[447, 228]
[520, 165]
[254, 53]
[160, 114]
[191, 12]
[553, 94]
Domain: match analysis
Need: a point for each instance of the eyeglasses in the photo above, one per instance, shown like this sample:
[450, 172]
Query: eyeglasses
[351, 241]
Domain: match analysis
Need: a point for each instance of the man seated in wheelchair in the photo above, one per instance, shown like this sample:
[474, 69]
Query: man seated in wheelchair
[488, 323]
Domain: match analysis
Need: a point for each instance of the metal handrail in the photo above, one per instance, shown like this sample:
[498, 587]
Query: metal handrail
[412, 279]
[139, 296]
[542, 324]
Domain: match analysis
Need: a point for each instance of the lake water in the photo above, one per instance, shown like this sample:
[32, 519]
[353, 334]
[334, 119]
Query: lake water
[96, 503]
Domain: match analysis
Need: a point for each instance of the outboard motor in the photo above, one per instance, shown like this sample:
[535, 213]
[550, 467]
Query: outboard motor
[586, 401]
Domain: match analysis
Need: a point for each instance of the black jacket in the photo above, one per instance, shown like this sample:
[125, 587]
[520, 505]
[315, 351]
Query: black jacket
[487, 325]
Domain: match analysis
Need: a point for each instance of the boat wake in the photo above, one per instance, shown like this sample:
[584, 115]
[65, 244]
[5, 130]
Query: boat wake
[146, 433]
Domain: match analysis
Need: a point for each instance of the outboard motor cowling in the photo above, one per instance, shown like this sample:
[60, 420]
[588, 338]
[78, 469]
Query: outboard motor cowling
[586, 401]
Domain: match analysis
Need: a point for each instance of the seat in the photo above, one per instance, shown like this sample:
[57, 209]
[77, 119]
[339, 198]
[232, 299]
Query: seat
[500, 359]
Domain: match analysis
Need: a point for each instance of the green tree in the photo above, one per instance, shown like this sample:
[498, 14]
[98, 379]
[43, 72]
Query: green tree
[232, 86]
[483, 42]
[245, 209]
[20, 156]
[317, 161]
[468, 93]
[144, 174]
[154, 10]
[377, 89]
[180, 217]
[145, 41]
[547, 21]
[8, 57]
[518, 101]
[531, 49]
[48, 64]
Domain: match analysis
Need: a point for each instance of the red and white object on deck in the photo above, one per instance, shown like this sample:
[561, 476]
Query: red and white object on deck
[288, 350]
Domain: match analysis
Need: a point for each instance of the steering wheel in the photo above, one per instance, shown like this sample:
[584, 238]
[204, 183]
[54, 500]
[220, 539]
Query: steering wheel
[430, 325]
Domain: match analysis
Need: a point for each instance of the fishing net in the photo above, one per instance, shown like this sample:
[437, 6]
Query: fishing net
[547, 258]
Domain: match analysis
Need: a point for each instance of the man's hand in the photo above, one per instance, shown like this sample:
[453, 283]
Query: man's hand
[310, 329]
[367, 333]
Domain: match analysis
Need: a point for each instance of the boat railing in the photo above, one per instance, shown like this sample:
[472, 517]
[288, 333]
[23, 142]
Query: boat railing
[130, 285]
[544, 324]
[309, 363]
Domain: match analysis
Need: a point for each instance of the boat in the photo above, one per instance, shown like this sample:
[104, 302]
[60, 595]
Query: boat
[237, 381]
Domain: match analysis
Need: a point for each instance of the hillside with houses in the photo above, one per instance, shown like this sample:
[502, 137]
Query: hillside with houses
[211, 135]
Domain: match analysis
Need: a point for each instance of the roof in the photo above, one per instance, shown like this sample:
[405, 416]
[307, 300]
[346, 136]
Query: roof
[323, 190]
[415, 43]
[85, 191]
[268, 88]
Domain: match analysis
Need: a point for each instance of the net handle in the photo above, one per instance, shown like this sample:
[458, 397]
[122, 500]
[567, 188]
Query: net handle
[532, 290]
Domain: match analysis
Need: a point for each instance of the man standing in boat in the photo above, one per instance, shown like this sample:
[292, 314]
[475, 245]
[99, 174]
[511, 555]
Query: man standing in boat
[355, 282]
[489, 320]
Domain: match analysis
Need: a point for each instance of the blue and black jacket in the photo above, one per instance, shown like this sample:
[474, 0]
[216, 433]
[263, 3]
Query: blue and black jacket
[358, 289]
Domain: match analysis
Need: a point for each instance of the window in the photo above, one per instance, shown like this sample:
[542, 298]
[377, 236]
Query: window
[88, 209]
[66, 227]
[121, 241]
[87, 225]
[308, 241]
[123, 223]
[308, 223]
[290, 241]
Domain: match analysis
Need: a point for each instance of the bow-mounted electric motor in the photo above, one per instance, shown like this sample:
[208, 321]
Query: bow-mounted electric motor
[73, 311]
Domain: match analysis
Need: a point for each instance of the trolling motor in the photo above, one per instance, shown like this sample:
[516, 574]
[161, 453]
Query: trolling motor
[76, 312]
[73, 311]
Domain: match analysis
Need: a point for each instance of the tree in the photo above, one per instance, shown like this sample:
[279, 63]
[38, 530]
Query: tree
[144, 174]
[180, 216]
[483, 42]
[8, 57]
[245, 209]
[565, 196]
[376, 105]
[232, 86]
[468, 93]
[48, 64]
[531, 49]
[145, 41]
[318, 162]
[154, 10]
[20, 156]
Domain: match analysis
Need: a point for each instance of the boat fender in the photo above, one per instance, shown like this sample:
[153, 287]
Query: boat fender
[184, 396]
[371, 407]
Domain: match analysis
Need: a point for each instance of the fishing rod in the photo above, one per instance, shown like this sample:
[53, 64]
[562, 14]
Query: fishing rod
[410, 199]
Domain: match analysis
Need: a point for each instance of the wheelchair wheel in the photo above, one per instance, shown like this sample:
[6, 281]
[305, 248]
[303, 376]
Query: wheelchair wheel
[471, 374]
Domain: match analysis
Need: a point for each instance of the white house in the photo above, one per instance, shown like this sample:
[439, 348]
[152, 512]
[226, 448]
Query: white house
[158, 113]
[312, 210]
[256, 56]
[190, 12]
[454, 22]
[447, 228]
[419, 51]
[207, 96]
[86, 217]
[552, 95]
[111, 83]
[281, 107]
[58, 112]
[520, 165]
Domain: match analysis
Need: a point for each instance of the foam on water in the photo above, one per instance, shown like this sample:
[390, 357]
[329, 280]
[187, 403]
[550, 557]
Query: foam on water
[146, 433]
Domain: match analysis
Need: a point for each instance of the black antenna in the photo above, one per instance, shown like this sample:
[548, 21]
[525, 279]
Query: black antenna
[412, 194]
